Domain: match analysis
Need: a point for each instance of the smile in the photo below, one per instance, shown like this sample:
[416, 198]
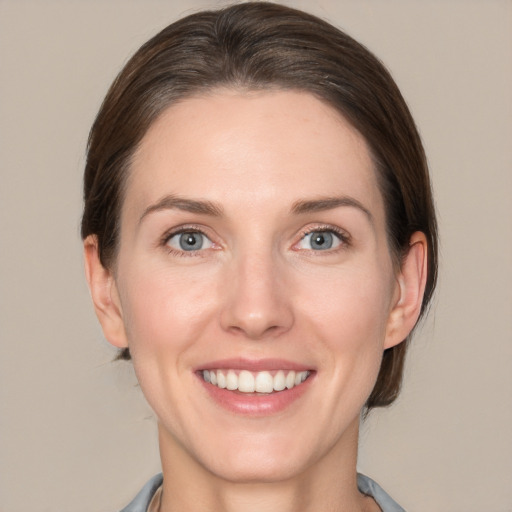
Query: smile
[245, 381]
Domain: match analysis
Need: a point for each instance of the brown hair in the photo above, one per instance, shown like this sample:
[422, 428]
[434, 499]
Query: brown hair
[260, 45]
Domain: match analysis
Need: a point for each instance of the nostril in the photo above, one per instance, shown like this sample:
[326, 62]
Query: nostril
[254, 330]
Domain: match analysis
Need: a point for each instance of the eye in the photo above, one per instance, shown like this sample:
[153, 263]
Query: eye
[321, 240]
[189, 241]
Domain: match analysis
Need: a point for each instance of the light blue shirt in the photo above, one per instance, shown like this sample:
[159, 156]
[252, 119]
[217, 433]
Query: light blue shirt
[366, 486]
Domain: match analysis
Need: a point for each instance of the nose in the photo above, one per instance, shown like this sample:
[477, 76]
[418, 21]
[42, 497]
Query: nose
[257, 303]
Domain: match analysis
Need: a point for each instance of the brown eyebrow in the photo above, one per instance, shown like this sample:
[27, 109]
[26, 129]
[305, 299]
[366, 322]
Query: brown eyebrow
[173, 202]
[329, 203]
[203, 207]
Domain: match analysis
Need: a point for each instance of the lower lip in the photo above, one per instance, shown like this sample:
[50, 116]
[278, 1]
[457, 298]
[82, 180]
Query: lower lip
[250, 404]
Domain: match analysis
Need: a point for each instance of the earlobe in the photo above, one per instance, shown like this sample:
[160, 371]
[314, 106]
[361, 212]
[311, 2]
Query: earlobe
[104, 294]
[411, 282]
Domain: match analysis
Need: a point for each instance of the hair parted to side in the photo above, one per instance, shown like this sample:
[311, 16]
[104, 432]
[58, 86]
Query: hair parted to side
[260, 45]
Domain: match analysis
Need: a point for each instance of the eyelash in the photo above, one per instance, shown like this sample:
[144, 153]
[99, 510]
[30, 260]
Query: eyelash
[183, 229]
[344, 238]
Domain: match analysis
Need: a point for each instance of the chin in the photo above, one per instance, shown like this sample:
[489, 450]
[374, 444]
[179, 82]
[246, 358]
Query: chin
[262, 469]
[260, 459]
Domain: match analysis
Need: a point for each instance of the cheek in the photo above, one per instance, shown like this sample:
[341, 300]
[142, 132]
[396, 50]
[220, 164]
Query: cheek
[352, 305]
[347, 314]
[166, 315]
[165, 310]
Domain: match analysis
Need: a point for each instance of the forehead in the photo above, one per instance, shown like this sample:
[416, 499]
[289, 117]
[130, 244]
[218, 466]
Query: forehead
[253, 146]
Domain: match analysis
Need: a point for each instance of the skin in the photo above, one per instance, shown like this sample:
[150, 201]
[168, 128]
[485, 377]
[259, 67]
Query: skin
[257, 289]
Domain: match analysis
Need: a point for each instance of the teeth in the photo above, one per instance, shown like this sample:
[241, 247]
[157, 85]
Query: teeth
[290, 380]
[264, 383]
[221, 380]
[279, 381]
[259, 382]
[231, 381]
[245, 382]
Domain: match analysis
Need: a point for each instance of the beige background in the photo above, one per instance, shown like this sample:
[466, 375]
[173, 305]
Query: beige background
[75, 433]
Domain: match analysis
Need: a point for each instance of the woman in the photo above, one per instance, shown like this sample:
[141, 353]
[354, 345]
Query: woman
[260, 240]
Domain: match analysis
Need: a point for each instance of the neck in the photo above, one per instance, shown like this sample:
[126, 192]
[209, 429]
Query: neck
[328, 484]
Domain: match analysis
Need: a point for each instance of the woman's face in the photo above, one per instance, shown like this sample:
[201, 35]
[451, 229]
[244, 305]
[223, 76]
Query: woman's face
[253, 253]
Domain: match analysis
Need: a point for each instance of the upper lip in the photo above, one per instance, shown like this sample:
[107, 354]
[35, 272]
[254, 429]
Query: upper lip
[253, 365]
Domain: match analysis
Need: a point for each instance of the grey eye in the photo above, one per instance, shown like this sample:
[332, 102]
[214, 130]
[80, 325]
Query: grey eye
[189, 241]
[320, 241]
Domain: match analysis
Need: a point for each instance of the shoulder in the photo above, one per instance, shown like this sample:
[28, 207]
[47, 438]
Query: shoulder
[141, 501]
[371, 488]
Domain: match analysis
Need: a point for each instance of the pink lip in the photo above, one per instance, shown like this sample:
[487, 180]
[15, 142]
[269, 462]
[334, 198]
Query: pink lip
[253, 365]
[255, 405]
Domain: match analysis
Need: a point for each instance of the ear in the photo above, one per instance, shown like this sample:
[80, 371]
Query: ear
[408, 298]
[104, 294]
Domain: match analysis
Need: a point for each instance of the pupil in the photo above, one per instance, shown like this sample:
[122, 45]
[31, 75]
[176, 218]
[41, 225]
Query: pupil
[190, 241]
[321, 240]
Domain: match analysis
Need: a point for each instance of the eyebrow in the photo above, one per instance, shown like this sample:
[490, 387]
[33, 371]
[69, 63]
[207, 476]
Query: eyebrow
[173, 202]
[204, 207]
[329, 203]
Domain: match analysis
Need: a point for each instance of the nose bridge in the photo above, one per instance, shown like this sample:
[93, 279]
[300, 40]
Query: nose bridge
[256, 304]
